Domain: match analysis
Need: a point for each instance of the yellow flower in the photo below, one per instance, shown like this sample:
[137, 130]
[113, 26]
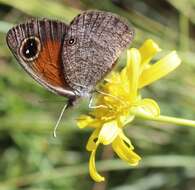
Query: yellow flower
[120, 100]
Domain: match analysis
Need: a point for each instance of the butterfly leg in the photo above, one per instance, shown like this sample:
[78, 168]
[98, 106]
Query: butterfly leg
[114, 97]
[91, 106]
[81, 91]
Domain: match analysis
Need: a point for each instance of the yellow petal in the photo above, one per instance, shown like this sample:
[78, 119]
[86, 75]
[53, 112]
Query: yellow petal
[84, 121]
[125, 119]
[109, 132]
[91, 143]
[92, 168]
[113, 77]
[148, 107]
[126, 140]
[148, 50]
[125, 152]
[124, 84]
[159, 69]
[132, 69]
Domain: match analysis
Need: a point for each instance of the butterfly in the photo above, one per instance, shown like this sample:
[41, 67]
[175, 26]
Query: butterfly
[70, 60]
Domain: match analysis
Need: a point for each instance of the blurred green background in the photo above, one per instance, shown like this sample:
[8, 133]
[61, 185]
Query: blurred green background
[31, 159]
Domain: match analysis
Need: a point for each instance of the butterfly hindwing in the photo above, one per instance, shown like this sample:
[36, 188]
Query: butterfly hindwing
[93, 42]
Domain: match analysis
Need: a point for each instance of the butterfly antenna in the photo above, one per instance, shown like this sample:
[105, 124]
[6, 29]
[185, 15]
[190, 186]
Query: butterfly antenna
[59, 119]
[70, 103]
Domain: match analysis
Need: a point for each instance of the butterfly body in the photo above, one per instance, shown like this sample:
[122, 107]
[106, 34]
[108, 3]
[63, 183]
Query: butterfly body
[70, 59]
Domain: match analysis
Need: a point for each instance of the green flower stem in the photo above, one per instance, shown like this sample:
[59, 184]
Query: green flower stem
[167, 119]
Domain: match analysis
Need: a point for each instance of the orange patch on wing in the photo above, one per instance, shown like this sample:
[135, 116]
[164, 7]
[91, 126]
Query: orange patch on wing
[49, 64]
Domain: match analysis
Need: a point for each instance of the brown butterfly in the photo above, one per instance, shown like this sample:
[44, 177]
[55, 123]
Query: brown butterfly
[70, 59]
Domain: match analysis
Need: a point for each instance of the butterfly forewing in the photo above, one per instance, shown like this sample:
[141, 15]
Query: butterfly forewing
[93, 42]
[37, 45]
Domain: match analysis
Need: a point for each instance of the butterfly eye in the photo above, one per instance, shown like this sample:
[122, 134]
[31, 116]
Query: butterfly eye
[71, 41]
[30, 48]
